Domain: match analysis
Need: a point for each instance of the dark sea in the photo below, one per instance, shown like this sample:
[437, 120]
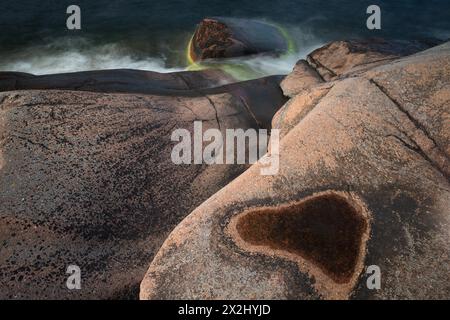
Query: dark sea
[153, 34]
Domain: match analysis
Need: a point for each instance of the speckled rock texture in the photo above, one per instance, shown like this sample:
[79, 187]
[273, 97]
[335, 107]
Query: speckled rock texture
[363, 180]
[86, 179]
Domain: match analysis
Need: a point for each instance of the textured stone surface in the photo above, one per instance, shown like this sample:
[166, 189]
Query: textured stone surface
[301, 78]
[120, 80]
[374, 151]
[219, 37]
[86, 179]
[298, 107]
[351, 56]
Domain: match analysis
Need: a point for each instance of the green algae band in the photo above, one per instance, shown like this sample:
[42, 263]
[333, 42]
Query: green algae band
[230, 37]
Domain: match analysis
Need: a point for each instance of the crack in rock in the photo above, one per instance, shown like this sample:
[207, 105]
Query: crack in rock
[439, 161]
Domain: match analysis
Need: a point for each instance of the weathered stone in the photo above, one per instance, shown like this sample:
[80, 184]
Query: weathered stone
[345, 57]
[298, 107]
[301, 78]
[363, 180]
[87, 179]
[120, 80]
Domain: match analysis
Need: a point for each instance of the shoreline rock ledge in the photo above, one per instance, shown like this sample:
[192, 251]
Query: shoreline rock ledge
[364, 181]
[86, 176]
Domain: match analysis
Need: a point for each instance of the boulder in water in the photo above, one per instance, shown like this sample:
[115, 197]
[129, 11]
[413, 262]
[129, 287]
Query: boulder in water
[220, 37]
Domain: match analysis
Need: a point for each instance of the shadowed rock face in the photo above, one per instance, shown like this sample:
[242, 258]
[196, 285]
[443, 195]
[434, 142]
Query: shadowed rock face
[86, 178]
[220, 37]
[181, 84]
[115, 81]
[363, 159]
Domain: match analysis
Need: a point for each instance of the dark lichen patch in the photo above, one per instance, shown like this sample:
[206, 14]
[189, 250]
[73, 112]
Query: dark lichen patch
[326, 230]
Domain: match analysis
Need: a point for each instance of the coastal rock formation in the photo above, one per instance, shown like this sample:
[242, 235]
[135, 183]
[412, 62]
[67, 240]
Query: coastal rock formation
[220, 37]
[350, 56]
[340, 59]
[363, 181]
[301, 78]
[86, 178]
[298, 107]
[115, 81]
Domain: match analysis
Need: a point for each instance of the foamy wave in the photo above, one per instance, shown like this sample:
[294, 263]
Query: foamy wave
[268, 65]
[44, 61]
[80, 54]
